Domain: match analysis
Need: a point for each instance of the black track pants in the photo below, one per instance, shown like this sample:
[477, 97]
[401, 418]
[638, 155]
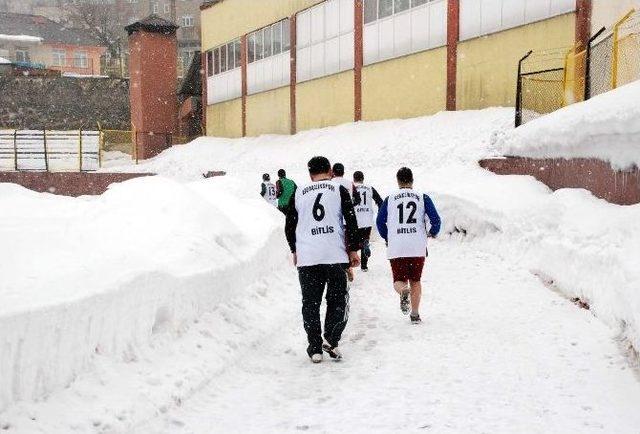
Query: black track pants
[313, 280]
[364, 234]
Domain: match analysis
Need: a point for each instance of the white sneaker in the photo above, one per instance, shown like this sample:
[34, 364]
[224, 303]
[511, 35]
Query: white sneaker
[316, 358]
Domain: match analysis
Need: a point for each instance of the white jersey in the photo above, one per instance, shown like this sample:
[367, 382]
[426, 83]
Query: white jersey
[364, 210]
[320, 233]
[406, 225]
[270, 194]
[345, 183]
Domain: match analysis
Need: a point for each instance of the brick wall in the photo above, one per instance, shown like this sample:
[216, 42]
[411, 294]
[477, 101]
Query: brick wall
[66, 183]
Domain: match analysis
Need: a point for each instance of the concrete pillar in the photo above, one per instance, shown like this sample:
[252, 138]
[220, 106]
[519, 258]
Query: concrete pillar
[153, 60]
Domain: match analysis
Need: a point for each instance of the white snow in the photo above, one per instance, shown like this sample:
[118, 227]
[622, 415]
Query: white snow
[20, 38]
[4, 61]
[169, 304]
[605, 127]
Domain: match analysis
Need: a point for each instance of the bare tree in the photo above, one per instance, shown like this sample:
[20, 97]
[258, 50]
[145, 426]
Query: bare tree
[101, 20]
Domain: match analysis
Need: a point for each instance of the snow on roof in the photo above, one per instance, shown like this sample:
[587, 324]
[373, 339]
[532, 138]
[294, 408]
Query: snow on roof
[20, 38]
[606, 127]
[4, 61]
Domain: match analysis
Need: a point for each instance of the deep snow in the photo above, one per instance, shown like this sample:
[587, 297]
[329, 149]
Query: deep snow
[182, 344]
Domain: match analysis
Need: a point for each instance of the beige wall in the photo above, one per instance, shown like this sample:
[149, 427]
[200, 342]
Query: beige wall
[325, 102]
[230, 19]
[487, 66]
[607, 12]
[409, 86]
[269, 112]
[225, 119]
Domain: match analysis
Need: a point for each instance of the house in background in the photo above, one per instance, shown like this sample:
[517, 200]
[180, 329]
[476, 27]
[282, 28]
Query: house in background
[36, 41]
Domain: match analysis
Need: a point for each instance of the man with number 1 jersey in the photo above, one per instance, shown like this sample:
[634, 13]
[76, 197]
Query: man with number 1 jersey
[268, 190]
[322, 232]
[402, 223]
[364, 214]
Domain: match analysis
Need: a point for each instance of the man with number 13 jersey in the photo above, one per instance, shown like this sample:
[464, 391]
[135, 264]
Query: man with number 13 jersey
[268, 190]
[322, 232]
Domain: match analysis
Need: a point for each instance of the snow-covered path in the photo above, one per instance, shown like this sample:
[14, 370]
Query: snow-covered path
[498, 352]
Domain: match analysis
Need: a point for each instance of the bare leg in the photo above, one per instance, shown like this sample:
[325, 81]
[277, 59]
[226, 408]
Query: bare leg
[401, 287]
[416, 295]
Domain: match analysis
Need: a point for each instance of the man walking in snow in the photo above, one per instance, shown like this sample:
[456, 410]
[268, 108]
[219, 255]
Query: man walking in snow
[322, 232]
[268, 190]
[364, 214]
[285, 188]
[402, 223]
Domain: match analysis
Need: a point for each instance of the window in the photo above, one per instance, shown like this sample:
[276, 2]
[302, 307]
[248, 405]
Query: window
[80, 59]
[231, 56]
[187, 21]
[251, 48]
[22, 55]
[59, 57]
[385, 8]
[286, 35]
[156, 8]
[259, 44]
[209, 63]
[237, 53]
[378, 9]
[167, 8]
[277, 38]
[268, 42]
[216, 61]
[370, 11]
[223, 58]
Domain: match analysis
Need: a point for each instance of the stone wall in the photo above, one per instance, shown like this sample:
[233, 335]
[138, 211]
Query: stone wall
[621, 187]
[64, 103]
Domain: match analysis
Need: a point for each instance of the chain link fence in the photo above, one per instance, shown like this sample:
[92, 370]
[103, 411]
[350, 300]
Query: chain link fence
[552, 79]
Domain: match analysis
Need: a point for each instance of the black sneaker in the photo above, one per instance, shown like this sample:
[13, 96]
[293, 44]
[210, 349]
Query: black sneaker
[405, 303]
[334, 352]
[365, 269]
[415, 319]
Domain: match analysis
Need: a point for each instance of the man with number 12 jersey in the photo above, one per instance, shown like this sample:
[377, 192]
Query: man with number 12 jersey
[402, 223]
[322, 232]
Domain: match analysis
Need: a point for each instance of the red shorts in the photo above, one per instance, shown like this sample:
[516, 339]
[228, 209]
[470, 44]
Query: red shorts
[407, 269]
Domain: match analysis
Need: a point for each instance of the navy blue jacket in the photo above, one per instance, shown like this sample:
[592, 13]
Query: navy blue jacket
[430, 211]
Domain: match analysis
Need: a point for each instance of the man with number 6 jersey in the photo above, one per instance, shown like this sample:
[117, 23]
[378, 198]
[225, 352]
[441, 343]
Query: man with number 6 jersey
[268, 190]
[402, 223]
[322, 232]
[364, 214]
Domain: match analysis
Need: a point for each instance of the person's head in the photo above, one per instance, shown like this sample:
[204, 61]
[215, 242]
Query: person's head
[266, 177]
[282, 173]
[338, 169]
[358, 176]
[405, 177]
[319, 167]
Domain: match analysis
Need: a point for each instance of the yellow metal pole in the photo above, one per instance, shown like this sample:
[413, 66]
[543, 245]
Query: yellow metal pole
[565, 77]
[614, 61]
[15, 149]
[100, 145]
[80, 148]
[46, 152]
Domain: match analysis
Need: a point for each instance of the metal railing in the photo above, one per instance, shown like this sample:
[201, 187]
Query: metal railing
[49, 150]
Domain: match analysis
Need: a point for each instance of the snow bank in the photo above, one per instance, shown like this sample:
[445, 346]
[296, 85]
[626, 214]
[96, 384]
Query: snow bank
[4, 61]
[605, 127]
[20, 38]
[102, 275]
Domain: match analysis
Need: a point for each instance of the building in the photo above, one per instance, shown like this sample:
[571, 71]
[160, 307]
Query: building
[286, 65]
[33, 40]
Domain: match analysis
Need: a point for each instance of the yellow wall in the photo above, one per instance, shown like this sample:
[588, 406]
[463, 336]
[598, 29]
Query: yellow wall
[325, 102]
[268, 112]
[225, 119]
[231, 19]
[487, 66]
[405, 87]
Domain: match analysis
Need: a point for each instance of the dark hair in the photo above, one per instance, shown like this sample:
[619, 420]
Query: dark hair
[405, 176]
[358, 176]
[318, 165]
[338, 169]
[266, 177]
[281, 173]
